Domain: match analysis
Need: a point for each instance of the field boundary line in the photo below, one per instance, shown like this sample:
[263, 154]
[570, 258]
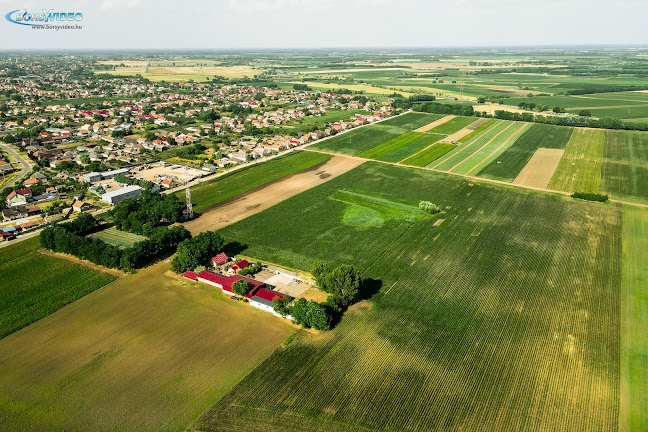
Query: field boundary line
[420, 151]
[489, 141]
[84, 263]
[465, 145]
[434, 124]
[514, 134]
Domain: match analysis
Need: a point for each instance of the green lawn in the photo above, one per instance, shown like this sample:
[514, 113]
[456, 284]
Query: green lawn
[579, 169]
[244, 180]
[118, 238]
[509, 306]
[33, 285]
[367, 137]
[634, 319]
[509, 164]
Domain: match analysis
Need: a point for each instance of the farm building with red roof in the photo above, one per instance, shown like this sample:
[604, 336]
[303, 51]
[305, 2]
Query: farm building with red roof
[220, 259]
[190, 275]
[238, 266]
[263, 299]
[226, 282]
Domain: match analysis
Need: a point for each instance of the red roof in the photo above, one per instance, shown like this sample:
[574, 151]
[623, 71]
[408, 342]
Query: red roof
[267, 294]
[227, 281]
[215, 278]
[241, 264]
[190, 275]
[221, 258]
[25, 191]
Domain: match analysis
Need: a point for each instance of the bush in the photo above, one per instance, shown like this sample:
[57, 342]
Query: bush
[251, 269]
[282, 305]
[311, 314]
[242, 287]
[590, 196]
[429, 207]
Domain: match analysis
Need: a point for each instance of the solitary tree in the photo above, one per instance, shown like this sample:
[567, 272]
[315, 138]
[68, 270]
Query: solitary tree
[242, 287]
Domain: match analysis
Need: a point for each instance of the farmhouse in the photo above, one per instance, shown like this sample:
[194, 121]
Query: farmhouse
[19, 197]
[116, 196]
[220, 259]
[226, 282]
[80, 206]
[238, 266]
[262, 299]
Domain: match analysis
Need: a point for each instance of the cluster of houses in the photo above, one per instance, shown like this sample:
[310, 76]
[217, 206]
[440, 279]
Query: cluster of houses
[260, 296]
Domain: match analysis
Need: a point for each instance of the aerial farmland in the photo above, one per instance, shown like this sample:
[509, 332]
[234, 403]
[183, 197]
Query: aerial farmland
[319, 216]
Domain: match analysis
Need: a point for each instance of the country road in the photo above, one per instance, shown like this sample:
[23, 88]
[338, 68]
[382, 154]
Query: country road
[26, 167]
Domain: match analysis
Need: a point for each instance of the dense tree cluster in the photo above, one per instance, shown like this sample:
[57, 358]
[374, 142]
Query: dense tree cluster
[197, 251]
[309, 314]
[590, 196]
[122, 179]
[604, 123]
[142, 215]
[429, 207]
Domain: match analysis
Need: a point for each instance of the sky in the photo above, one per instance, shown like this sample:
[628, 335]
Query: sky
[262, 24]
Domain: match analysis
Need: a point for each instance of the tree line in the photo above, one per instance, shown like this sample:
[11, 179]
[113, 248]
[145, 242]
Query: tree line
[604, 123]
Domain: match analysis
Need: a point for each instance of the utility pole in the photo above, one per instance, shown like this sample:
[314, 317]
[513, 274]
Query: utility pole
[188, 194]
[462, 84]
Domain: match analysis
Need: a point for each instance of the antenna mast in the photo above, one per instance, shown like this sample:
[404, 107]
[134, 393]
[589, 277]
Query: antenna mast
[188, 194]
[462, 84]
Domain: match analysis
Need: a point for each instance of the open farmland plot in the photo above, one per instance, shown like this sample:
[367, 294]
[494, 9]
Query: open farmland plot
[634, 316]
[367, 137]
[33, 285]
[148, 352]
[454, 125]
[244, 180]
[624, 172]
[541, 167]
[399, 148]
[509, 164]
[579, 169]
[118, 238]
[503, 317]
[465, 150]
[429, 155]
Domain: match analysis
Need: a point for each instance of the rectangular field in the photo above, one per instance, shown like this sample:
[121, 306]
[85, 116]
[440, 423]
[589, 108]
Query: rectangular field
[401, 147]
[244, 180]
[580, 168]
[33, 285]
[454, 125]
[429, 155]
[540, 168]
[118, 238]
[149, 352]
[434, 124]
[624, 172]
[473, 327]
[367, 137]
[634, 316]
[509, 164]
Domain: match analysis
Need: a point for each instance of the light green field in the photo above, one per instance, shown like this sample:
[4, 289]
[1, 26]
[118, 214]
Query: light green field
[467, 149]
[454, 125]
[634, 321]
[429, 155]
[489, 152]
[401, 147]
[624, 173]
[118, 238]
[579, 169]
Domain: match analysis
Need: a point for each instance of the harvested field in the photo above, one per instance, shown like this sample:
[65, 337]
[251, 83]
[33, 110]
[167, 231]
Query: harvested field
[148, 352]
[472, 329]
[266, 197]
[539, 170]
[580, 168]
[434, 124]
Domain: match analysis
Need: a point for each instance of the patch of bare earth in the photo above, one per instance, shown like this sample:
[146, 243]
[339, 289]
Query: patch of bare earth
[540, 168]
[256, 201]
[434, 124]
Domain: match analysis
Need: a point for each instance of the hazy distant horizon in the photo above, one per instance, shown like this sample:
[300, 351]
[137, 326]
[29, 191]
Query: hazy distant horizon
[331, 24]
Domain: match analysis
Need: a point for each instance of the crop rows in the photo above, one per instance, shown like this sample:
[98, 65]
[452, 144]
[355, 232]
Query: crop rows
[429, 155]
[580, 167]
[503, 317]
[454, 125]
[401, 147]
[509, 164]
[624, 172]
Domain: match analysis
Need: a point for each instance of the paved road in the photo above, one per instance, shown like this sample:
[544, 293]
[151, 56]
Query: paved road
[26, 167]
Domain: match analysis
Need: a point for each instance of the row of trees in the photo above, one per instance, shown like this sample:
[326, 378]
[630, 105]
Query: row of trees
[604, 123]
[142, 215]
[70, 238]
[122, 179]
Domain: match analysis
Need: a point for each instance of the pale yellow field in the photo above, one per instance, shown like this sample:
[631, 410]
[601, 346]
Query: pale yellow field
[185, 73]
[354, 87]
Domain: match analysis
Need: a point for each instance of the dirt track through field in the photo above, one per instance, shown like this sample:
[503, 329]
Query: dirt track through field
[434, 124]
[540, 168]
[256, 201]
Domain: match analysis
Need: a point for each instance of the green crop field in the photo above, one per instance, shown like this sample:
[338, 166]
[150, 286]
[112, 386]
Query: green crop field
[244, 180]
[624, 172]
[478, 131]
[579, 169]
[401, 147]
[502, 313]
[118, 238]
[490, 150]
[429, 155]
[634, 316]
[509, 164]
[454, 125]
[367, 137]
[463, 151]
[149, 352]
[33, 285]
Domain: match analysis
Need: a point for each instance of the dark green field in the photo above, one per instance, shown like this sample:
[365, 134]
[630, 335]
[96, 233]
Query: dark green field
[33, 285]
[244, 180]
[399, 148]
[505, 316]
[509, 164]
[624, 173]
[365, 138]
